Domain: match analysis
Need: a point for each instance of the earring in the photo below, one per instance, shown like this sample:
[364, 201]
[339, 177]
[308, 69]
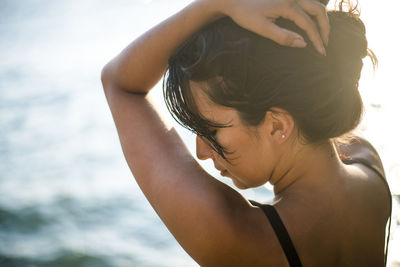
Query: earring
[283, 136]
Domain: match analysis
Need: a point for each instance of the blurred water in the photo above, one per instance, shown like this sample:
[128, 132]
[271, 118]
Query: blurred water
[67, 197]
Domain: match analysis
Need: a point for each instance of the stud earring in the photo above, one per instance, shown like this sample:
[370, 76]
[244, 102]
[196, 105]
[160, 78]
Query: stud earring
[283, 136]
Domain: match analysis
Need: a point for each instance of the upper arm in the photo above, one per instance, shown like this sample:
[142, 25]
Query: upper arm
[204, 215]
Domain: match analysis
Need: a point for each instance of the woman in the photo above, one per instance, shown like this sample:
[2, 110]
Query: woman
[268, 105]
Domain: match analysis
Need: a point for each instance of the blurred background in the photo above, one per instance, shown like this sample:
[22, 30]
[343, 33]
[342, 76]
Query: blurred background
[67, 197]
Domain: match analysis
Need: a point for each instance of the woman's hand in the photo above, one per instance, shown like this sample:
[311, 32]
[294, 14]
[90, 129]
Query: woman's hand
[259, 16]
[142, 63]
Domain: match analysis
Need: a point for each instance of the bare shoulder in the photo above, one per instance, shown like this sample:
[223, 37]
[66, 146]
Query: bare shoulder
[367, 188]
[366, 172]
[361, 148]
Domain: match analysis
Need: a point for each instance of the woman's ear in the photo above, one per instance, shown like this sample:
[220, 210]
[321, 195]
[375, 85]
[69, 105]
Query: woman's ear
[280, 124]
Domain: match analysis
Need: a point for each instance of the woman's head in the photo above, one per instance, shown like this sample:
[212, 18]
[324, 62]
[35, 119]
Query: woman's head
[253, 75]
[253, 153]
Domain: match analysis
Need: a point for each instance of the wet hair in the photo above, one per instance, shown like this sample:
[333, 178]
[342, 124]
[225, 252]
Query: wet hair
[253, 74]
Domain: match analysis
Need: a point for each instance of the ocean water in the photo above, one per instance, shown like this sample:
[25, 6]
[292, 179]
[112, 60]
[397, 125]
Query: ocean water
[67, 197]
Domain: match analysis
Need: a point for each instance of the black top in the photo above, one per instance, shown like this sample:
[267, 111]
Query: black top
[283, 235]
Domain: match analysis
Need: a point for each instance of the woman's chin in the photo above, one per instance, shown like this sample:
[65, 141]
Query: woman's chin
[239, 185]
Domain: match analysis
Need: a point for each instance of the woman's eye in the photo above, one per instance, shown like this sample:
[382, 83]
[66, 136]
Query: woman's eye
[213, 132]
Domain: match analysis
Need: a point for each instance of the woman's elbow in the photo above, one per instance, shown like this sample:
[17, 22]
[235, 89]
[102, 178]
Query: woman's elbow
[106, 76]
[113, 78]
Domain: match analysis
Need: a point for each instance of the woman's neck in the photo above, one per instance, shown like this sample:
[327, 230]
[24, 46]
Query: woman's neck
[304, 167]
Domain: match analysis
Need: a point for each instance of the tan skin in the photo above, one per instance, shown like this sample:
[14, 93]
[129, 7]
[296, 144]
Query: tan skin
[321, 201]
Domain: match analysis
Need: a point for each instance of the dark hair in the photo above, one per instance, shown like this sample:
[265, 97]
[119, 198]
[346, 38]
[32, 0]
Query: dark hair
[252, 74]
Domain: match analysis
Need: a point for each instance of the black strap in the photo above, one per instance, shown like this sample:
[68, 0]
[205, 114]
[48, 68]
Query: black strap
[281, 233]
[383, 178]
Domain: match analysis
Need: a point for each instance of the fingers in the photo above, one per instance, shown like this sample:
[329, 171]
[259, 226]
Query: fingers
[318, 10]
[270, 30]
[259, 16]
[298, 16]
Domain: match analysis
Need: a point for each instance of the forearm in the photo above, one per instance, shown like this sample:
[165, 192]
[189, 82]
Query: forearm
[142, 63]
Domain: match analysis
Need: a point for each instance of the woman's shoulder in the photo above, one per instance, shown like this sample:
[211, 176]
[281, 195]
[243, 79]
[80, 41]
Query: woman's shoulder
[365, 179]
[369, 188]
[349, 218]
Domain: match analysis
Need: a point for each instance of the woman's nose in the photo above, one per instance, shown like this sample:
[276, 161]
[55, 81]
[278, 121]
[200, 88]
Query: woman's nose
[203, 150]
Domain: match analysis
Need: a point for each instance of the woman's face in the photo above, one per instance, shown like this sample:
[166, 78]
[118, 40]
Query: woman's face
[251, 156]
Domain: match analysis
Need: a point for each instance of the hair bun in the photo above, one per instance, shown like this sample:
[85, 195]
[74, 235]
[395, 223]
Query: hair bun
[347, 45]
[347, 34]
